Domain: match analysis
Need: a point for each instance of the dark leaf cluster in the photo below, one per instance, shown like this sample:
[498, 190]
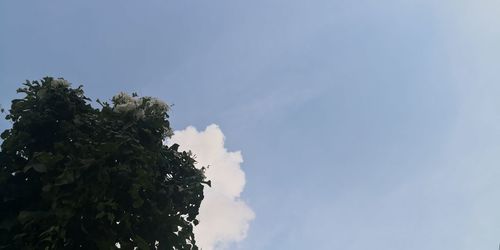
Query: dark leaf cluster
[77, 177]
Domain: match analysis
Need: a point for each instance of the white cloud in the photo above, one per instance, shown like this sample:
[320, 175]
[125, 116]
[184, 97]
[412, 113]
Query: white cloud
[224, 217]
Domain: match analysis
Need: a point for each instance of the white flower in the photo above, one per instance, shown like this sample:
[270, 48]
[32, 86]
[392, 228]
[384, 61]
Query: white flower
[60, 82]
[126, 107]
[155, 105]
[140, 106]
[159, 103]
[123, 98]
[139, 114]
[126, 103]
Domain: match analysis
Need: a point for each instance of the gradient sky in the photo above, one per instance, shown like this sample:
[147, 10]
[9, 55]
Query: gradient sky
[362, 124]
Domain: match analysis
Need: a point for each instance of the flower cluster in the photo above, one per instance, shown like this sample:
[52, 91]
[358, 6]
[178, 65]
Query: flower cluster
[59, 82]
[125, 103]
[141, 107]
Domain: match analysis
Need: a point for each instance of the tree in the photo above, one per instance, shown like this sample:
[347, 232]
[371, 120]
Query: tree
[77, 177]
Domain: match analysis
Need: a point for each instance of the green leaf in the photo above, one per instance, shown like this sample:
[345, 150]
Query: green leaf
[66, 177]
[141, 243]
[100, 215]
[27, 168]
[25, 216]
[46, 188]
[137, 203]
[175, 147]
[111, 217]
[41, 168]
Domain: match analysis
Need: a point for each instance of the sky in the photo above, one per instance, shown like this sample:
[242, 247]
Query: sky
[335, 124]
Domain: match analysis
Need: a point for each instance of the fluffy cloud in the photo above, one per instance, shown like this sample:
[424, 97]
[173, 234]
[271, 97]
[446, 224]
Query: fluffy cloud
[224, 217]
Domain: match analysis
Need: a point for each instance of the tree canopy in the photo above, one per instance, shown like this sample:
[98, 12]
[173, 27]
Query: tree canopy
[77, 177]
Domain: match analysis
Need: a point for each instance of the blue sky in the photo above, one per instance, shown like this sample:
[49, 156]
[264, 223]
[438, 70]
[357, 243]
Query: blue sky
[362, 124]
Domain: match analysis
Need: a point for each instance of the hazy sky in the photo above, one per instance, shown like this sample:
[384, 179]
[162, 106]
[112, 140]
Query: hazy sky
[361, 124]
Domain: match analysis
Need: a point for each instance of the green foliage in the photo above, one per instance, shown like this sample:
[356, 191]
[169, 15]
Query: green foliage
[76, 177]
